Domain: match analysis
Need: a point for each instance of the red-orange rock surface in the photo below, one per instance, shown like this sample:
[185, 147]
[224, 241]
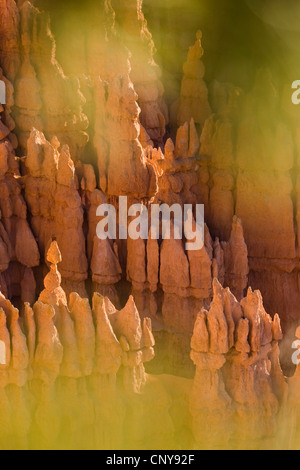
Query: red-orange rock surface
[74, 363]
[86, 121]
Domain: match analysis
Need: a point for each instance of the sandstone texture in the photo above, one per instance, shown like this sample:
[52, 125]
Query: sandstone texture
[143, 343]
[74, 366]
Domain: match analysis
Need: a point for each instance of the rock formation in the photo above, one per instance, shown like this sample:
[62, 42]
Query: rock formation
[86, 121]
[237, 389]
[193, 101]
[44, 97]
[72, 366]
[235, 178]
[55, 205]
[102, 255]
[19, 251]
[145, 74]
[58, 347]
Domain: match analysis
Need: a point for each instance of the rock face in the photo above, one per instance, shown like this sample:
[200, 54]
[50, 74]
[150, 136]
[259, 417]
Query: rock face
[251, 153]
[55, 205]
[18, 247]
[237, 388]
[274, 243]
[44, 97]
[193, 102]
[120, 153]
[60, 347]
[85, 122]
[69, 364]
[145, 74]
[102, 255]
[123, 168]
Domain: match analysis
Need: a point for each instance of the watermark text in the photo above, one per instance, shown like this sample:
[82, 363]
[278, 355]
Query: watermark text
[159, 221]
[2, 92]
[296, 94]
